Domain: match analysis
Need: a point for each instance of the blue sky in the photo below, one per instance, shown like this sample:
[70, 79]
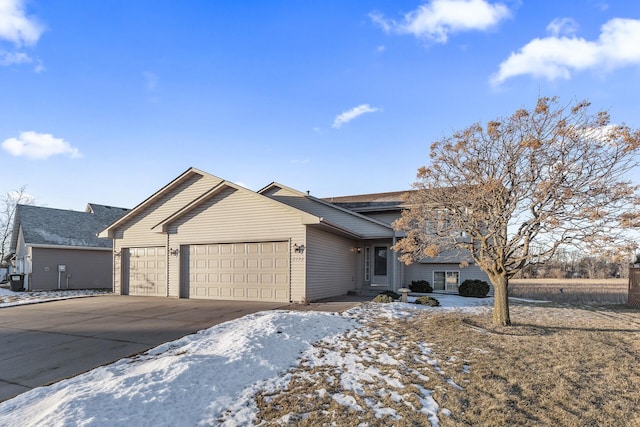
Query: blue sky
[107, 101]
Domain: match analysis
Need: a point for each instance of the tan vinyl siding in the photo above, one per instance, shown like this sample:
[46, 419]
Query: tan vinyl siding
[136, 232]
[236, 216]
[331, 264]
[85, 269]
[117, 268]
[351, 222]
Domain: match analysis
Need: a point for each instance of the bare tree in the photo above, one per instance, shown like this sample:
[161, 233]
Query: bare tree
[8, 205]
[513, 192]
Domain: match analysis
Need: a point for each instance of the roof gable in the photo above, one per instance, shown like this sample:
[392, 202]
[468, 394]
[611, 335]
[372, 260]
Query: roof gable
[171, 186]
[108, 214]
[162, 226]
[335, 215]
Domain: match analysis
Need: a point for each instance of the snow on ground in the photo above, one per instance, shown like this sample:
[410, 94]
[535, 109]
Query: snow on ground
[211, 377]
[9, 298]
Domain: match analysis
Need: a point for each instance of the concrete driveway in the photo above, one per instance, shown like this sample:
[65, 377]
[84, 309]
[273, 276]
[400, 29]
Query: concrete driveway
[43, 343]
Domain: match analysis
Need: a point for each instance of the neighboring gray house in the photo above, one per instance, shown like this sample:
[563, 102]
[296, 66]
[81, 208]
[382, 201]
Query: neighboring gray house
[59, 249]
[203, 237]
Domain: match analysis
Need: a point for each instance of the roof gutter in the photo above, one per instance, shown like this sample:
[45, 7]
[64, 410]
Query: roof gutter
[86, 248]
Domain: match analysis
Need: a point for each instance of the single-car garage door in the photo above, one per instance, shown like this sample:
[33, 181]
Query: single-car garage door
[236, 271]
[148, 271]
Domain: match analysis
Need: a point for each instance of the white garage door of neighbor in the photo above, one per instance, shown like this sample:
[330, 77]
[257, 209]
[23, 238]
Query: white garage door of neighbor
[148, 271]
[238, 271]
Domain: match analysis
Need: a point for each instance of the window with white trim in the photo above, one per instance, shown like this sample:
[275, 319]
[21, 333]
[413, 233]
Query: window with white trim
[446, 280]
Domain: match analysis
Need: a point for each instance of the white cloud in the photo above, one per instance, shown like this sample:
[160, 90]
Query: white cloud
[435, 20]
[379, 19]
[351, 114]
[601, 5]
[562, 26]
[39, 67]
[556, 57]
[34, 145]
[11, 58]
[16, 26]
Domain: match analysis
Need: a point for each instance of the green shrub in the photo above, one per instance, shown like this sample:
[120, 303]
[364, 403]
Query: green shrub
[474, 288]
[383, 298]
[421, 286]
[431, 301]
[392, 294]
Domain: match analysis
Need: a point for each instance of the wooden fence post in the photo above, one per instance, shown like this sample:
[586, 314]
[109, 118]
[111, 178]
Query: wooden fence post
[634, 285]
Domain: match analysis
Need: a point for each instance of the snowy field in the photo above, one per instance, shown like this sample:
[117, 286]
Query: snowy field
[9, 298]
[212, 377]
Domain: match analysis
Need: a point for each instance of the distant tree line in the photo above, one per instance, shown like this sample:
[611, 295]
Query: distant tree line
[575, 265]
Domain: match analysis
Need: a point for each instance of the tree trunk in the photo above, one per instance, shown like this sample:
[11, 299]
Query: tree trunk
[500, 300]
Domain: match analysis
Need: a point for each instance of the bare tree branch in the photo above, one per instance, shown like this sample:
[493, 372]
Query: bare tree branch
[8, 205]
[522, 187]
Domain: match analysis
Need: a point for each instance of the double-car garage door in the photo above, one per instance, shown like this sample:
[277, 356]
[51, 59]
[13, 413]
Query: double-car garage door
[257, 271]
[231, 271]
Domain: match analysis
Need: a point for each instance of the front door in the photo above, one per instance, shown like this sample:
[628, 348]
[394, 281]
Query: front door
[380, 265]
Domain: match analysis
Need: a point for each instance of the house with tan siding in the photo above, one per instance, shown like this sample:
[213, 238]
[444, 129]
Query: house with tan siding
[444, 272]
[201, 236]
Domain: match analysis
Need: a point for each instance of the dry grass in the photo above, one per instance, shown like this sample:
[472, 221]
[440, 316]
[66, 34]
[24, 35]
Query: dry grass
[574, 291]
[564, 366]
[556, 366]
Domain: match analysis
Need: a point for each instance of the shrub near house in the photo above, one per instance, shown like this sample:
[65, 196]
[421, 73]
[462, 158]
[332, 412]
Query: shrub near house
[425, 300]
[383, 298]
[421, 286]
[474, 288]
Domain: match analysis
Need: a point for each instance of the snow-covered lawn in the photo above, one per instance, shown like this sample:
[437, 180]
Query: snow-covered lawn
[214, 377]
[9, 298]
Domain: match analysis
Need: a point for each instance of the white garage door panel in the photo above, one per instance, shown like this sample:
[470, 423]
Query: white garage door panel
[239, 271]
[147, 271]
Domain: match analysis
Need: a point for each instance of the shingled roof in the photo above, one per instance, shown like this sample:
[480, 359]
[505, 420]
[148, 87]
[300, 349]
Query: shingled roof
[371, 202]
[58, 227]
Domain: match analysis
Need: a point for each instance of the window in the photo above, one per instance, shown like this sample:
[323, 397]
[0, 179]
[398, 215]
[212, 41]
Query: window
[367, 264]
[380, 261]
[446, 280]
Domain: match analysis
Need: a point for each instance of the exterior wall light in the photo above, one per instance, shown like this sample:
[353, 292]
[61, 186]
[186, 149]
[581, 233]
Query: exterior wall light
[174, 252]
[299, 249]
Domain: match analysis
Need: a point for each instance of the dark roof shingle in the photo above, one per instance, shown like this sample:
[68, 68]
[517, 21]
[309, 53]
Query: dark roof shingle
[371, 202]
[48, 226]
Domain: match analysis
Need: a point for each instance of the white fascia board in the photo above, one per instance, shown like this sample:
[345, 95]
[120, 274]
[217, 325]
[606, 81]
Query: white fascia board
[85, 248]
